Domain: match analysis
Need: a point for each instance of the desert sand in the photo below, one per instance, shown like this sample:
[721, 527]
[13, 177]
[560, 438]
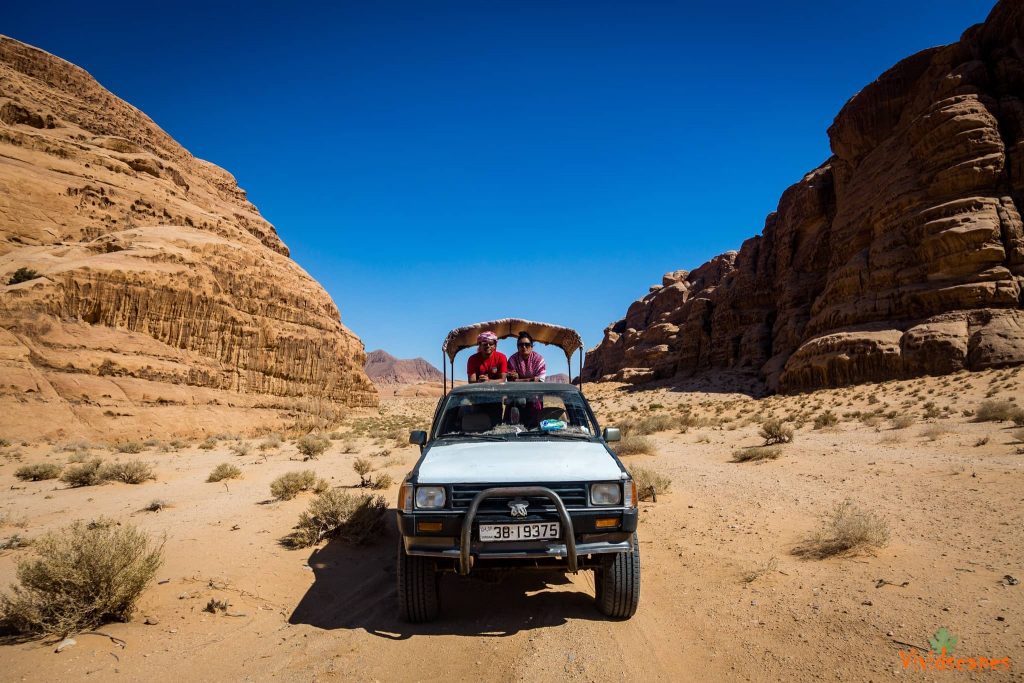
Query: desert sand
[723, 596]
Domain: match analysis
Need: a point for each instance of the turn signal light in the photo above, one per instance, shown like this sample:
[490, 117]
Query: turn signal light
[607, 522]
[428, 526]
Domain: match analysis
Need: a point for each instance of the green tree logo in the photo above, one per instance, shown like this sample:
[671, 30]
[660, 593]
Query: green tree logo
[943, 642]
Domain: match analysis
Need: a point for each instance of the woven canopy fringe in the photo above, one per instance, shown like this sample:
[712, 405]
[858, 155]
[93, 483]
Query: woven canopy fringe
[465, 337]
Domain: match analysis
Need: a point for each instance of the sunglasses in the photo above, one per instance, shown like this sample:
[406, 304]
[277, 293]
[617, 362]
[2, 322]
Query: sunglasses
[488, 344]
[524, 345]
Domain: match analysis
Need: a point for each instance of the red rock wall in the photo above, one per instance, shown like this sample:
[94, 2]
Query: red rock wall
[901, 255]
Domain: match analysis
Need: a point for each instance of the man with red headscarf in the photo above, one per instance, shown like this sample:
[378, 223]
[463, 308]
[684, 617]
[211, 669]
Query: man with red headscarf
[487, 364]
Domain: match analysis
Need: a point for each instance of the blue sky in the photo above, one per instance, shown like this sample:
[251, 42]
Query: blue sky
[437, 163]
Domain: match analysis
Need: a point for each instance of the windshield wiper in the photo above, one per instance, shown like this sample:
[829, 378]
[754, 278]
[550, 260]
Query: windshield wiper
[558, 433]
[473, 435]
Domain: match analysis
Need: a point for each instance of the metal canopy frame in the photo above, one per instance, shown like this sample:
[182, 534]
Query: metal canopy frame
[461, 338]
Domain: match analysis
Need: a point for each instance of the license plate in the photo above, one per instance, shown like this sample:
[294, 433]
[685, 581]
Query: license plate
[519, 532]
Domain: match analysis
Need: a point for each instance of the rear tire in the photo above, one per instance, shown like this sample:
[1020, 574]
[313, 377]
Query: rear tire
[617, 583]
[418, 590]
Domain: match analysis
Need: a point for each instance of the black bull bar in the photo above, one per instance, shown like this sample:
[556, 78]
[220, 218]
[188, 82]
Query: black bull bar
[568, 534]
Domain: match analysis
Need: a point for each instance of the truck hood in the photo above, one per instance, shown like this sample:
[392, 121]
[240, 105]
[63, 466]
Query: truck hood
[520, 462]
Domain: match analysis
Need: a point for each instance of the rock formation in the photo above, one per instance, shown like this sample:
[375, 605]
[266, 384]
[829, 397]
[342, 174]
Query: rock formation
[901, 255]
[154, 298]
[383, 368]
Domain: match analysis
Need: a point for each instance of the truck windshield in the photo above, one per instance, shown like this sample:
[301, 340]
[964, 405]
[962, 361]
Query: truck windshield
[495, 413]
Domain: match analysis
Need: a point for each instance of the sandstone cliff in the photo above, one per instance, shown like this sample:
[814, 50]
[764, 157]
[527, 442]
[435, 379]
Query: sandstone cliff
[901, 255]
[165, 303]
[383, 368]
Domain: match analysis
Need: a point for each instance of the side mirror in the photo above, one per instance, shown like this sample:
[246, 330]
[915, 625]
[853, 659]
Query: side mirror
[612, 434]
[418, 437]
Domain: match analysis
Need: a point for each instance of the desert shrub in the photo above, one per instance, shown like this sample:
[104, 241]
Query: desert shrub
[23, 275]
[271, 443]
[649, 484]
[826, 419]
[131, 472]
[632, 445]
[774, 431]
[85, 474]
[337, 513]
[241, 448]
[1018, 417]
[178, 444]
[84, 574]
[995, 411]
[981, 442]
[4, 443]
[363, 467]
[209, 443]
[933, 432]
[312, 445]
[654, 423]
[291, 484]
[156, 505]
[846, 529]
[902, 421]
[381, 481]
[40, 472]
[756, 453]
[224, 471]
[153, 443]
[214, 605]
[128, 447]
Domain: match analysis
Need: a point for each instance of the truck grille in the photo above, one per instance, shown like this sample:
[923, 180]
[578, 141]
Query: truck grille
[573, 495]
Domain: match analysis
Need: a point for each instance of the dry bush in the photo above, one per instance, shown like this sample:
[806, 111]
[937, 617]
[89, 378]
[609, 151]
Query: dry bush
[847, 529]
[214, 605]
[208, 444]
[774, 431]
[40, 472]
[654, 423]
[363, 467]
[981, 442]
[84, 574]
[128, 447]
[902, 421]
[224, 471]
[995, 411]
[337, 513]
[754, 574]
[649, 484]
[131, 472]
[156, 505]
[632, 445]
[291, 484]
[241, 448]
[826, 419]
[312, 445]
[85, 474]
[756, 453]
[178, 444]
[381, 481]
[271, 443]
[933, 432]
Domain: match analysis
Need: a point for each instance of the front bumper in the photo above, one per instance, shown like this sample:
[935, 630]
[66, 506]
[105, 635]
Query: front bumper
[458, 536]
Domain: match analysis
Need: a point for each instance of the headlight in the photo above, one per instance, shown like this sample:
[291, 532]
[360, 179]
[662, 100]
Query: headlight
[606, 494]
[430, 497]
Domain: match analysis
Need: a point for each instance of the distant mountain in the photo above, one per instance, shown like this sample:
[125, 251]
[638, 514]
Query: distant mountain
[383, 368]
[560, 377]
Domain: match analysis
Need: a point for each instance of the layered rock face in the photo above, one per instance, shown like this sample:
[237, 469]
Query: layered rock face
[901, 255]
[383, 368]
[164, 302]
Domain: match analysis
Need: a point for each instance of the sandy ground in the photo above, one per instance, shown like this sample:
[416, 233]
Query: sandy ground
[723, 597]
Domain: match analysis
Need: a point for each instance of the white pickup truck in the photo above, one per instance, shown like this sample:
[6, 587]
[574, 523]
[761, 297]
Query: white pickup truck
[517, 475]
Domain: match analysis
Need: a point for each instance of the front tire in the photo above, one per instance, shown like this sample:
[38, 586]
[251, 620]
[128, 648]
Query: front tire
[418, 590]
[617, 583]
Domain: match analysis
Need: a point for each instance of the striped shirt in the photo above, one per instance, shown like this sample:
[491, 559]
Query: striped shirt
[533, 366]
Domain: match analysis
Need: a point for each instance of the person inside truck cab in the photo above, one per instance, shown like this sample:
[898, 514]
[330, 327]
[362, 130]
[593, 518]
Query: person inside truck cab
[487, 364]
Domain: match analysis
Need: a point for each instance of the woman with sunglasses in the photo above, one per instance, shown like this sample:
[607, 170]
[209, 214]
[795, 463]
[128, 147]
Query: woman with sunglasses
[487, 363]
[526, 365]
